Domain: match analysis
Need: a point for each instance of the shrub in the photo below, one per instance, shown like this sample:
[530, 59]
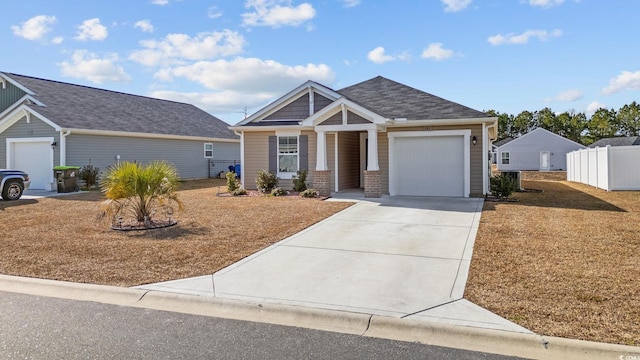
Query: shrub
[300, 181]
[138, 191]
[266, 181]
[238, 192]
[309, 193]
[502, 186]
[232, 182]
[278, 192]
[89, 174]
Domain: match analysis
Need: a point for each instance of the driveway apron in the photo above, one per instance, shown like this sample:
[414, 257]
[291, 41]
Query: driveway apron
[405, 257]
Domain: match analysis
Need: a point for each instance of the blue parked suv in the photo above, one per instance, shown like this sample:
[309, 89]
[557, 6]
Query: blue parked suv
[13, 183]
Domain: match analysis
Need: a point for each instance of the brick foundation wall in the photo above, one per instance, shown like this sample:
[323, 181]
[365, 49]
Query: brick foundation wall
[322, 182]
[372, 184]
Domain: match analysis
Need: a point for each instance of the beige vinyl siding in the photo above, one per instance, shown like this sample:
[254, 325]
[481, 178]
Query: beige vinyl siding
[349, 160]
[256, 156]
[475, 156]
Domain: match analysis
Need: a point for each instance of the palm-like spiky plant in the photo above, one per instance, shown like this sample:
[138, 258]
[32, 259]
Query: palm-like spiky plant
[137, 192]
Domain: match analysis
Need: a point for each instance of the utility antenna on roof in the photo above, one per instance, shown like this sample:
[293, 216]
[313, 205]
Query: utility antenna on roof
[245, 112]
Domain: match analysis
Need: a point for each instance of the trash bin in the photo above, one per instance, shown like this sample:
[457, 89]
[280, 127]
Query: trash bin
[67, 178]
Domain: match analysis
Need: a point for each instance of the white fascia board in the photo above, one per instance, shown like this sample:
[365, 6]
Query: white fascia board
[288, 98]
[16, 84]
[438, 122]
[147, 135]
[330, 110]
[18, 113]
[269, 128]
[18, 103]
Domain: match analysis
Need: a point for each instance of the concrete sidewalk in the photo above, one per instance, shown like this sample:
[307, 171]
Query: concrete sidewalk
[402, 257]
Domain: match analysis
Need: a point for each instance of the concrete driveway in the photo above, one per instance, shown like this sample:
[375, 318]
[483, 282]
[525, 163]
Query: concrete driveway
[403, 257]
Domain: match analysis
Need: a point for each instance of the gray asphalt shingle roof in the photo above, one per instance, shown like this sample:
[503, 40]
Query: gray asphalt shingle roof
[392, 100]
[82, 107]
[617, 141]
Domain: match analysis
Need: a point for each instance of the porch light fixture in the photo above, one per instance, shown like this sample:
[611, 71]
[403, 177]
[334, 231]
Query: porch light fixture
[53, 144]
[474, 140]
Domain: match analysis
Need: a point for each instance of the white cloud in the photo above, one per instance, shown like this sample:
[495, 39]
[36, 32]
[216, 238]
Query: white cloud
[435, 51]
[351, 3]
[593, 107]
[213, 12]
[627, 80]
[251, 75]
[545, 3]
[378, 56]
[567, 96]
[92, 29]
[276, 13]
[455, 5]
[35, 28]
[220, 102]
[175, 48]
[57, 40]
[160, 2]
[86, 65]
[144, 26]
[523, 38]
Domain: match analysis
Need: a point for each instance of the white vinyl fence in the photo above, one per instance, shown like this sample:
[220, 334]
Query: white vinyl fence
[609, 168]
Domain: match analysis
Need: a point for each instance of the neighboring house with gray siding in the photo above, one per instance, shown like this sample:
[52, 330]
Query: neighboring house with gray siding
[45, 123]
[378, 135]
[540, 150]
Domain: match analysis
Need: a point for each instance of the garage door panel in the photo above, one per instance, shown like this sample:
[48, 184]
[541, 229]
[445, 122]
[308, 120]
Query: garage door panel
[34, 158]
[429, 165]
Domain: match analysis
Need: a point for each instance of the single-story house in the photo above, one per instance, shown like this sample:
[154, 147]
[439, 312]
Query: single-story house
[539, 149]
[616, 141]
[45, 123]
[495, 146]
[379, 135]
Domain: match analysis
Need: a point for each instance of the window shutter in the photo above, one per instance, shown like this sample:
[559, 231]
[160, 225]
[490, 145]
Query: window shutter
[273, 154]
[303, 152]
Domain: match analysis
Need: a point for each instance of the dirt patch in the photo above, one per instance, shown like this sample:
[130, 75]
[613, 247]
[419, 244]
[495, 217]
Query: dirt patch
[59, 238]
[562, 262]
[544, 175]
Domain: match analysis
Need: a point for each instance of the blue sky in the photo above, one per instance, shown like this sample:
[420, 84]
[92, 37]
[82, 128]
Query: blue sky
[227, 55]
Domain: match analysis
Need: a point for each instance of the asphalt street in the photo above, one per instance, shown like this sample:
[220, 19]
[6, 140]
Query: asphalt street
[36, 327]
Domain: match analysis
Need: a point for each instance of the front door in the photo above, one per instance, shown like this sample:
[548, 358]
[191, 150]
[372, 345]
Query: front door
[545, 160]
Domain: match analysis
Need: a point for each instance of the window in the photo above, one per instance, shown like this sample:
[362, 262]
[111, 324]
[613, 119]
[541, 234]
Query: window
[505, 158]
[287, 154]
[208, 150]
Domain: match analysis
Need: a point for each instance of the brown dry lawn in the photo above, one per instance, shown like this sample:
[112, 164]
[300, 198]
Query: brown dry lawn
[59, 238]
[564, 262]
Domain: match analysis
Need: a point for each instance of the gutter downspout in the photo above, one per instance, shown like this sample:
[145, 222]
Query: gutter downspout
[63, 146]
[242, 168]
[485, 155]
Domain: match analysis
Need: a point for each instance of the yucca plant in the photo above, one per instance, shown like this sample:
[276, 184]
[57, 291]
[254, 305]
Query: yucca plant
[136, 193]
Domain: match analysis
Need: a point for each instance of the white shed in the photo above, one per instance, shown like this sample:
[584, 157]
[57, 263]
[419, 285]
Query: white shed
[538, 150]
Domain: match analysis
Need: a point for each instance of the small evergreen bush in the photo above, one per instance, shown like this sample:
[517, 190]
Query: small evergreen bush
[266, 181]
[278, 192]
[300, 181]
[89, 174]
[502, 186]
[232, 182]
[309, 193]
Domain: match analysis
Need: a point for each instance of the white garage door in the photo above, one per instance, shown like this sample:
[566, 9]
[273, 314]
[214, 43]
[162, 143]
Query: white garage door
[428, 166]
[35, 159]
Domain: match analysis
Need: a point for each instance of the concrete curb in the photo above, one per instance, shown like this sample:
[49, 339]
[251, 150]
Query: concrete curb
[460, 337]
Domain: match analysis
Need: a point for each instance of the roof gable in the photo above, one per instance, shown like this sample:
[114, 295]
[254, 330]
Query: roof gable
[80, 107]
[393, 100]
[537, 133]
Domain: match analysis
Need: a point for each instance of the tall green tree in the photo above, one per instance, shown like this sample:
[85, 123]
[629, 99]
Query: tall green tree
[504, 123]
[629, 119]
[603, 124]
[572, 125]
[522, 124]
[548, 120]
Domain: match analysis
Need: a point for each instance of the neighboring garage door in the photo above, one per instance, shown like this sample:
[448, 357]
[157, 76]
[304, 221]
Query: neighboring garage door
[34, 158]
[428, 166]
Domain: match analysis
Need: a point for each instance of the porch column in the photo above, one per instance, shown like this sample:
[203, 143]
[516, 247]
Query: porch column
[372, 176]
[322, 176]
